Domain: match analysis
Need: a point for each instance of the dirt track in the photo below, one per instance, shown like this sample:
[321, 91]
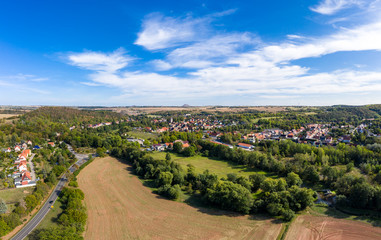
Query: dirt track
[120, 207]
[309, 227]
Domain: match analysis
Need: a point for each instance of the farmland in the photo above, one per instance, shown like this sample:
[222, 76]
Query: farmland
[120, 207]
[218, 167]
[320, 227]
[8, 115]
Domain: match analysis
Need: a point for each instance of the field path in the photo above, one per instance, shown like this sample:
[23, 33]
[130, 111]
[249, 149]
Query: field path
[120, 207]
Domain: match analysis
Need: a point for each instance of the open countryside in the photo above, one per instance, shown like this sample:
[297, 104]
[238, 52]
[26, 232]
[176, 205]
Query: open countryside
[190, 120]
[120, 207]
[147, 216]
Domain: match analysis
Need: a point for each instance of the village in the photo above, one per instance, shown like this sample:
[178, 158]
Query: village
[314, 134]
[23, 170]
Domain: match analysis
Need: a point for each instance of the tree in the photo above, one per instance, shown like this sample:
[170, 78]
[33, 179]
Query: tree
[177, 147]
[3, 207]
[361, 195]
[274, 208]
[350, 166]
[287, 214]
[231, 196]
[311, 175]
[171, 192]
[168, 156]
[4, 228]
[100, 152]
[31, 202]
[293, 179]
[58, 233]
[12, 220]
[189, 151]
[269, 185]
[256, 179]
[164, 178]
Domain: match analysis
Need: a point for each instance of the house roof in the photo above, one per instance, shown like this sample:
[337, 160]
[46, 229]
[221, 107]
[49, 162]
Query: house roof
[26, 176]
[245, 145]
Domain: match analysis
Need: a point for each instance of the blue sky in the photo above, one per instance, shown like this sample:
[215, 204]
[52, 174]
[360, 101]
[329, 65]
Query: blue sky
[123, 53]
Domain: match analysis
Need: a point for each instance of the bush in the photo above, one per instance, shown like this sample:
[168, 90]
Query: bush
[287, 214]
[342, 201]
[171, 192]
[73, 183]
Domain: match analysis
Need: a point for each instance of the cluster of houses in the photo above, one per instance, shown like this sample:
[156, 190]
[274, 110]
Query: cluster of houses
[163, 146]
[195, 125]
[22, 177]
[185, 144]
[188, 125]
[101, 124]
[315, 134]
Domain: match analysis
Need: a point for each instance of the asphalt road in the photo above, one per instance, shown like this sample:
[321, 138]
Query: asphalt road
[33, 223]
[28, 228]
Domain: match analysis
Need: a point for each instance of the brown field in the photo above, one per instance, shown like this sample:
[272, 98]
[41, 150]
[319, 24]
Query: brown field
[210, 109]
[308, 227]
[120, 207]
[8, 115]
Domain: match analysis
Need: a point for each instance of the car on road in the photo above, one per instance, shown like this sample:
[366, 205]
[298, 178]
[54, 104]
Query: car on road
[51, 202]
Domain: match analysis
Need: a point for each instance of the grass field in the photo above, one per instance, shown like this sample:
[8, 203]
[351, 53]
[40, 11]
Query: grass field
[15, 195]
[120, 207]
[142, 135]
[219, 167]
[50, 219]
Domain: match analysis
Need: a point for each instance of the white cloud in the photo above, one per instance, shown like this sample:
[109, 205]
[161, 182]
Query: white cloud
[161, 32]
[329, 7]
[213, 51]
[233, 64]
[367, 37]
[161, 65]
[97, 61]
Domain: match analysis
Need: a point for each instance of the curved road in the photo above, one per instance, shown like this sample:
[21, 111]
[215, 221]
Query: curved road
[33, 223]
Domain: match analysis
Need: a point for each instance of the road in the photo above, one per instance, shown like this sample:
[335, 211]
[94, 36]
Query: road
[33, 223]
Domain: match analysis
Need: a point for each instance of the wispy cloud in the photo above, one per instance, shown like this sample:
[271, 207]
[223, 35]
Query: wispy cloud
[24, 83]
[161, 32]
[329, 7]
[23, 77]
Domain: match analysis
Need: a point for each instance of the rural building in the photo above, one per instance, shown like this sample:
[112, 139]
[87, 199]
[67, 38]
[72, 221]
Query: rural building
[245, 146]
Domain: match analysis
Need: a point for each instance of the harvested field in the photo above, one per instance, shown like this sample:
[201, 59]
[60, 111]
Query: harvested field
[120, 207]
[8, 115]
[308, 227]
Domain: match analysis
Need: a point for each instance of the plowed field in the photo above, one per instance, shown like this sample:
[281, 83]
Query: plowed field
[120, 207]
[308, 227]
